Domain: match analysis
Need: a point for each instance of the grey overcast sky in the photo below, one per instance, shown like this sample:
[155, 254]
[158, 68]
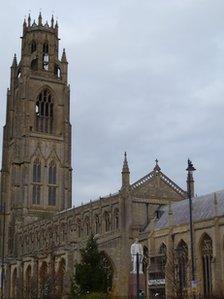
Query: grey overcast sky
[147, 76]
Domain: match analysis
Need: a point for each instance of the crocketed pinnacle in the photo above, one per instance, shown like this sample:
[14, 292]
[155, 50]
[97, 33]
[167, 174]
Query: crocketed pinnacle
[40, 19]
[63, 57]
[125, 168]
[52, 21]
[14, 62]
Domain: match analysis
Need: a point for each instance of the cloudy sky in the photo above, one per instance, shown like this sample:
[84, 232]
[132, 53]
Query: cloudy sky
[147, 76]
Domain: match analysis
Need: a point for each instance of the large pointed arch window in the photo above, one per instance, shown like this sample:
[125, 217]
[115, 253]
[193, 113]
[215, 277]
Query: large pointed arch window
[52, 184]
[36, 193]
[44, 112]
[206, 255]
[182, 268]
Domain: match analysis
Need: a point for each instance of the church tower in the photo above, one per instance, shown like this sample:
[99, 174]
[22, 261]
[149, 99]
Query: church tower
[36, 160]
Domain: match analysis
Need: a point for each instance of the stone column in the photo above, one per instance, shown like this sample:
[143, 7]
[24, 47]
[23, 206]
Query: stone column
[169, 268]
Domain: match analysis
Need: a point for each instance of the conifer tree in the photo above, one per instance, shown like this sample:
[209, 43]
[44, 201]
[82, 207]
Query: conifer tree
[90, 274]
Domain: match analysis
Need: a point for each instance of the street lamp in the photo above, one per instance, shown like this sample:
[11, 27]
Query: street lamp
[190, 190]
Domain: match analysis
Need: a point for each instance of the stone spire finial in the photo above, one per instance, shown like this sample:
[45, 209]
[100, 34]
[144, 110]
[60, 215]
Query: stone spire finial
[63, 57]
[125, 168]
[24, 25]
[14, 62]
[29, 20]
[125, 172]
[157, 168]
[24, 22]
[40, 19]
[52, 21]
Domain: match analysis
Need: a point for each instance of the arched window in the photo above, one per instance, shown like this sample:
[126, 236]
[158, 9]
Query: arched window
[34, 64]
[43, 277]
[52, 173]
[163, 256]
[206, 255]
[28, 282]
[182, 269]
[116, 219]
[14, 284]
[52, 184]
[108, 266]
[45, 56]
[60, 277]
[107, 221]
[44, 112]
[87, 226]
[36, 195]
[79, 227]
[97, 224]
[33, 47]
[57, 71]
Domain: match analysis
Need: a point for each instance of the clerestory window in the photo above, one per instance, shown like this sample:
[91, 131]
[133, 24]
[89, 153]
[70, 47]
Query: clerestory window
[44, 112]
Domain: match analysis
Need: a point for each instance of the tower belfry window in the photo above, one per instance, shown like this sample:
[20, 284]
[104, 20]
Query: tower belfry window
[44, 112]
[33, 47]
[52, 184]
[36, 182]
[45, 56]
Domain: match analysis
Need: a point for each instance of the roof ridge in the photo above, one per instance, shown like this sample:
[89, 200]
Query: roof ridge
[171, 183]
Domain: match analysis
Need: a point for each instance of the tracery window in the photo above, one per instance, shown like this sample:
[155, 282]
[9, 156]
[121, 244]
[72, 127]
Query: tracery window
[44, 112]
[108, 267]
[97, 224]
[28, 282]
[36, 193]
[34, 64]
[182, 268]
[14, 284]
[33, 47]
[206, 254]
[57, 71]
[107, 221]
[79, 228]
[52, 184]
[43, 274]
[87, 226]
[116, 219]
[163, 256]
[60, 277]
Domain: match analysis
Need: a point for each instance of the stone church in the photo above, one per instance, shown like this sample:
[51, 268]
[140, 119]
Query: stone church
[43, 234]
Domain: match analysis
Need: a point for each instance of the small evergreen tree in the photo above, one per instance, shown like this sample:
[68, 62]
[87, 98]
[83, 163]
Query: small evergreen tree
[91, 276]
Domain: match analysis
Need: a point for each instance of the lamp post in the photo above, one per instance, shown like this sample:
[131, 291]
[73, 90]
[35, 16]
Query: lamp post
[190, 190]
[137, 275]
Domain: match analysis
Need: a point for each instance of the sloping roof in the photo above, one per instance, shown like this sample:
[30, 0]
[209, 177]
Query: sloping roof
[204, 207]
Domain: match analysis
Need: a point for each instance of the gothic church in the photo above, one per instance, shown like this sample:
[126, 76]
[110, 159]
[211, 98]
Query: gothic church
[43, 233]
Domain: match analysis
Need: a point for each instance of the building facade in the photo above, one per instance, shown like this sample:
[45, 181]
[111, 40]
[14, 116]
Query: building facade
[43, 233]
[170, 266]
